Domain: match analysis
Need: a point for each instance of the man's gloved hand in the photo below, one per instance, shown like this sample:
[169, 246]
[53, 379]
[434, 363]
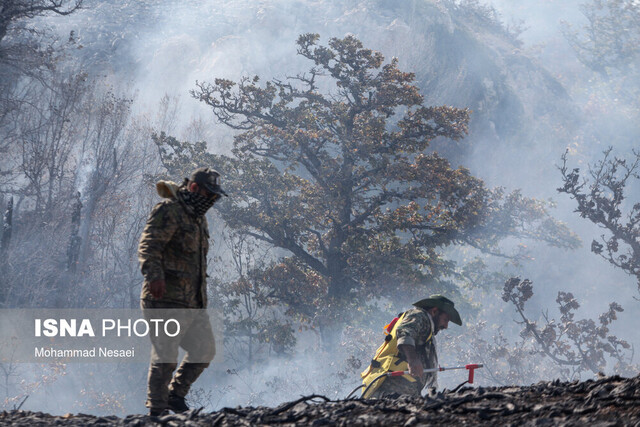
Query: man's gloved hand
[157, 288]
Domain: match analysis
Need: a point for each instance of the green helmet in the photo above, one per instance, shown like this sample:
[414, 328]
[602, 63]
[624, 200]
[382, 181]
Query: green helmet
[444, 304]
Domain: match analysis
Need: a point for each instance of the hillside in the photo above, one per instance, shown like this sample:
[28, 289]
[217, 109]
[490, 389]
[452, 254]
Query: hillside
[606, 401]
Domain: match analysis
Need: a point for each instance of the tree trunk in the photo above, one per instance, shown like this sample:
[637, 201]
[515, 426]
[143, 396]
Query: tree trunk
[63, 288]
[7, 228]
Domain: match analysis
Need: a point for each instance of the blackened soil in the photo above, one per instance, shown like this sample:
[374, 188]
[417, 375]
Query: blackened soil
[609, 401]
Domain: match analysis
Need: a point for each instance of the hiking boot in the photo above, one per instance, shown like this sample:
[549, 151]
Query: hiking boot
[158, 412]
[177, 403]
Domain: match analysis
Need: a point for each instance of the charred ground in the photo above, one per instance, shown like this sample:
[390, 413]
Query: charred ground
[603, 402]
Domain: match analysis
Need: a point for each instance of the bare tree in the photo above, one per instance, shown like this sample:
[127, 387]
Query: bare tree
[28, 54]
[7, 229]
[602, 200]
[580, 345]
[105, 163]
[611, 37]
[26, 50]
[14, 10]
[40, 172]
[254, 317]
[75, 141]
[7, 224]
[48, 128]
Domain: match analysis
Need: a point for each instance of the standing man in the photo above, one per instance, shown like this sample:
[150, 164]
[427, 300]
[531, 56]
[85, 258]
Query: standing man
[410, 346]
[173, 259]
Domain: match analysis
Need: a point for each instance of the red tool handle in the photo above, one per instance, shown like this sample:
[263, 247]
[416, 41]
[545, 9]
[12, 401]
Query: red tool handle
[472, 367]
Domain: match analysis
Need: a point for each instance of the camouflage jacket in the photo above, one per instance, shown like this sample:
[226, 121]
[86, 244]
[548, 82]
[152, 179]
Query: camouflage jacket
[415, 329]
[173, 247]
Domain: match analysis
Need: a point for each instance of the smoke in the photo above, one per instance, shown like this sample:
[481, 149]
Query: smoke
[528, 103]
[540, 20]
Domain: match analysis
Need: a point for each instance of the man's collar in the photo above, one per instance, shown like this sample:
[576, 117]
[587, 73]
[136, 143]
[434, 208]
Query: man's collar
[433, 329]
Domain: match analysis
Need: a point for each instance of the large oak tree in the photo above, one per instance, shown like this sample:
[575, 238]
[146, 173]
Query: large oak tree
[333, 167]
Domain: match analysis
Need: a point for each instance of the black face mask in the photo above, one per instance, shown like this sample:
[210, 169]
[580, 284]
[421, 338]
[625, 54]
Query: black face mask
[197, 202]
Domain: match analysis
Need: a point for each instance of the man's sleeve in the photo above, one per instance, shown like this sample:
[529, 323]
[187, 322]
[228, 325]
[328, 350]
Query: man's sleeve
[160, 228]
[413, 325]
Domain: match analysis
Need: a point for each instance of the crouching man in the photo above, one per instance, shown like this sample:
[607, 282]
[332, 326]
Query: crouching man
[410, 346]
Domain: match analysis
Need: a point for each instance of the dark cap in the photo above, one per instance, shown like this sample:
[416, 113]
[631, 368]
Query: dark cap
[209, 179]
[444, 304]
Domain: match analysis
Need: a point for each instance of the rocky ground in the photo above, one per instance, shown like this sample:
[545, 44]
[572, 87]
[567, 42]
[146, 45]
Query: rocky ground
[609, 401]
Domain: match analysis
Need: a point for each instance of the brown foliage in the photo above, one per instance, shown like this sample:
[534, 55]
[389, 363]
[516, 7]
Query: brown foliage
[331, 166]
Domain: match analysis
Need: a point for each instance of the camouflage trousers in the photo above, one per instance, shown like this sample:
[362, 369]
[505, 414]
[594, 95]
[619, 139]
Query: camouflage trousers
[196, 338]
